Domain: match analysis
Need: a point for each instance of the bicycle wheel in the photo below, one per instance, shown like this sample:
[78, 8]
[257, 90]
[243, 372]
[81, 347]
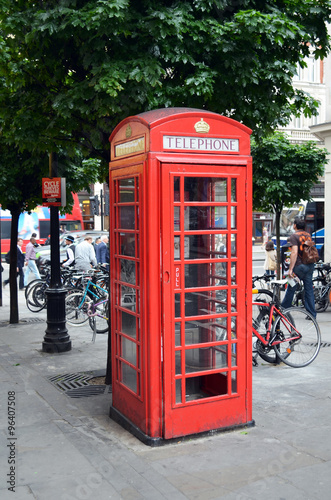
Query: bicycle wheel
[260, 323]
[102, 321]
[36, 298]
[301, 352]
[76, 308]
[321, 297]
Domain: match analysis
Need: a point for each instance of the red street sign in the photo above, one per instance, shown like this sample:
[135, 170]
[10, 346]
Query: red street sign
[51, 191]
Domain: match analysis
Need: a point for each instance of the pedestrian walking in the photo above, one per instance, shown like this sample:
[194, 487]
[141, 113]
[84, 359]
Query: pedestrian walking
[85, 255]
[297, 268]
[19, 264]
[102, 251]
[270, 262]
[30, 260]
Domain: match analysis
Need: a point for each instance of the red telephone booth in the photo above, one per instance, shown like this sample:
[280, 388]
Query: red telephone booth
[181, 242]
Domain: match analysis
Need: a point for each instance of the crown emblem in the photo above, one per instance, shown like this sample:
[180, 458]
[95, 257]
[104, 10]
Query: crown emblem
[202, 127]
[128, 132]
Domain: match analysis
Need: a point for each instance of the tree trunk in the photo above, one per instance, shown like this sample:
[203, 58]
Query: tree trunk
[13, 318]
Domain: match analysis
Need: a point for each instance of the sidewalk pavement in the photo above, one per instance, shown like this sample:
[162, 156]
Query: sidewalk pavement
[68, 448]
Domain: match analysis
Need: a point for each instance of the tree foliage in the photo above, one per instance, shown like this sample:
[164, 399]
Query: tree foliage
[70, 70]
[284, 174]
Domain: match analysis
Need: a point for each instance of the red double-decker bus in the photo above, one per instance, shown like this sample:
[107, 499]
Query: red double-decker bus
[38, 221]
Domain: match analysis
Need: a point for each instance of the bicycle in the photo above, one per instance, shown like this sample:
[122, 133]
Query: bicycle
[292, 335]
[91, 305]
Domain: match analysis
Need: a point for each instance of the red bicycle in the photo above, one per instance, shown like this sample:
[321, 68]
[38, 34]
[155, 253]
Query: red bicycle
[292, 335]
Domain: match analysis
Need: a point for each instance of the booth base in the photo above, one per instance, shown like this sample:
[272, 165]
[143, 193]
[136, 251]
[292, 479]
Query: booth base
[159, 441]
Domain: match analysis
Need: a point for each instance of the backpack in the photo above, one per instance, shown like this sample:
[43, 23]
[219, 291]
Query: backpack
[7, 257]
[309, 253]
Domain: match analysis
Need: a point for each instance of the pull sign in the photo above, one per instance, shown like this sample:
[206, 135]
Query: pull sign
[177, 277]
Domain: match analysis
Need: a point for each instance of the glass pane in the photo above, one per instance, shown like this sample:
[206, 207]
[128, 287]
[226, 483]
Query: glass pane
[234, 381]
[206, 330]
[127, 245]
[129, 352]
[206, 358]
[128, 325]
[233, 245]
[206, 386]
[233, 190]
[177, 305]
[205, 189]
[129, 377]
[177, 248]
[233, 273]
[128, 271]
[233, 217]
[126, 190]
[205, 275]
[233, 300]
[127, 217]
[128, 298]
[178, 364]
[234, 327]
[178, 340]
[178, 391]
[176, 188]
[176, 218]
[205, 246]
[234, 355]
[204, 218]
[221, 246]
[203, 303]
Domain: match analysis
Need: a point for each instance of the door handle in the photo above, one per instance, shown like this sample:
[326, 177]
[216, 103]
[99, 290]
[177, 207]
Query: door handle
[166, 277]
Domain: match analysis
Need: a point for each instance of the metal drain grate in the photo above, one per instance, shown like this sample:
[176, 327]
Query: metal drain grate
[76, 385]
[23, 321]
[323, 344]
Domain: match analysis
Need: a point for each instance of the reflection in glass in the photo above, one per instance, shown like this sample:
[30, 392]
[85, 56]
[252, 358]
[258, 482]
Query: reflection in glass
[205, 189]
[234, 381]
[178, 391]
[204, 303]
[127, 244]
[129, 350]
[233, 245]
[233, 217]
[128, 324]
[128, 298]
[177, 335]
[176, 188]
[127, 217]
[205, 275]
[128, 271]
[205, 217]
[233, 300]
[234, 354]
[233, 273]
[129, 377]
[205, 246]
[177, 305]
[177, 247]
[234, 327]
[176, 218]
[126, 190]
[206, 358]
[206, 330]
[233, 190]
[178, 364]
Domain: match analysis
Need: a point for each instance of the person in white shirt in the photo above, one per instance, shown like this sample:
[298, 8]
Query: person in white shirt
[70, 260]
[85, 255]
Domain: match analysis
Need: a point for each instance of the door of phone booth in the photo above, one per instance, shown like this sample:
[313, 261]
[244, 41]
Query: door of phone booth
[181, 242]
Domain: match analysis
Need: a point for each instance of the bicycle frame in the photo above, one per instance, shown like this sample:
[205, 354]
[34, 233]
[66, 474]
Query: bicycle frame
[271, 342]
